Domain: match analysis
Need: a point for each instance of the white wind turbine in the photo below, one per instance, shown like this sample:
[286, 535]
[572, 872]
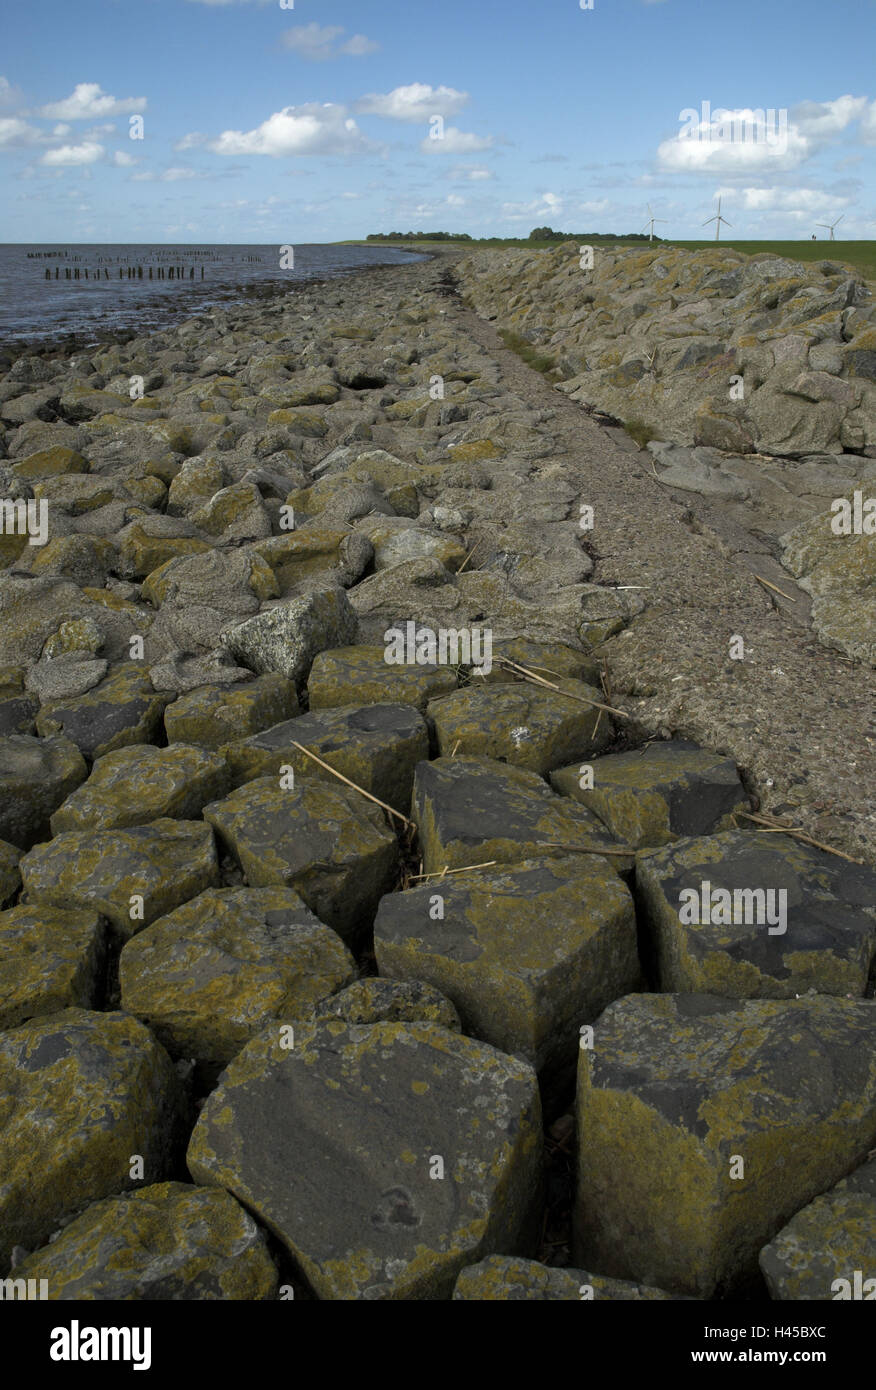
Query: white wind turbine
[649, 225]
[830, 225]
[719, 219]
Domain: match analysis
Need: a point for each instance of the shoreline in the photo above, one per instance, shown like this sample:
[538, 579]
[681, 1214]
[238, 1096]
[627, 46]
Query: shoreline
[65, 344]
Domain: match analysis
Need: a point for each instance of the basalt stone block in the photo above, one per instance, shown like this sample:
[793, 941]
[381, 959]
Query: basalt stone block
[123, 709]
[287, 637]
[504, 1278]
[36, 775]
[141, 783]
[18, 715]
[50, 959]
[657, 793]
[345, 1183]
[545, 659]
[704, 1124]
[327, 842]
[527, 953]
[103, 1089]
[828, 1250]
[753, 916]
[376, 1000]
[523, 725]
[471, 811]
[10, 878]
[211, 974]
[168, 1241]
[130, 876]
[212, 715]
[361, 675]
[375, 746]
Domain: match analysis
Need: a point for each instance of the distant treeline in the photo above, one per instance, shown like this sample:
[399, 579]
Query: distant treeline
[537, 234]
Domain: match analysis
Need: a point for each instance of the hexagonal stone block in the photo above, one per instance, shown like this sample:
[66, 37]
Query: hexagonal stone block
[523, 725]
[527, 954]
[288, 636]
[36, 774]
[326, 841]
[166, 1241]
[705, 1123]
[162, 864]
[741, 942]
[123, 709]
[141, 783]
[657, 793]
[211, 974]
[500, 1278]
[375, 746]
[102, 1089]
[10, 878]
[212, 715]
[361, 675]
[470, 811]
[331, 1144]
[376, 1000]
[828, 1250]
[550, 660]
[50, 959]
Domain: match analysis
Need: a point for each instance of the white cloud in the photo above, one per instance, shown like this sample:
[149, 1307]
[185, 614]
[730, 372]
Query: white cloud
[819, 121]
[298, 130]
[15, 132]
[744, 140]
[87, 101]
[471, 173]
[797, 200]
[867, 128]
[548, 205]
[123, 160]
[68, 155]
[358, 46]
[316, 42]
[416, 103]
[456, 142]
[454, 201]
[191, 141]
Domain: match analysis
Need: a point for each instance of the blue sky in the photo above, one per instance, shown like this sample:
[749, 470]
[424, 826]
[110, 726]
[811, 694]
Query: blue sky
[268, 121]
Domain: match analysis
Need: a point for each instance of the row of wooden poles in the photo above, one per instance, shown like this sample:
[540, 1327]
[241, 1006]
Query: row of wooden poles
[135, 272]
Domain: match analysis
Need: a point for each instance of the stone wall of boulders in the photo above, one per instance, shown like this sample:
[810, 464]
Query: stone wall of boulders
[732, 366]
[308, 956]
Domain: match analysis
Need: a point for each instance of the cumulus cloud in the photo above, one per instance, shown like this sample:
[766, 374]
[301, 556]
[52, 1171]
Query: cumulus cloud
[17, 133]
[87, 101]
[66, 156]
[298, 130]
[416, 103]
[123, 160]
[867, 128]
[317, 42]
[745, 140]
[456, 141]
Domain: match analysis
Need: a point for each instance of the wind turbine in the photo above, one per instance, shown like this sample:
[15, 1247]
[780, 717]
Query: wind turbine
[830, 225]
[719, 219]
[649, 225]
